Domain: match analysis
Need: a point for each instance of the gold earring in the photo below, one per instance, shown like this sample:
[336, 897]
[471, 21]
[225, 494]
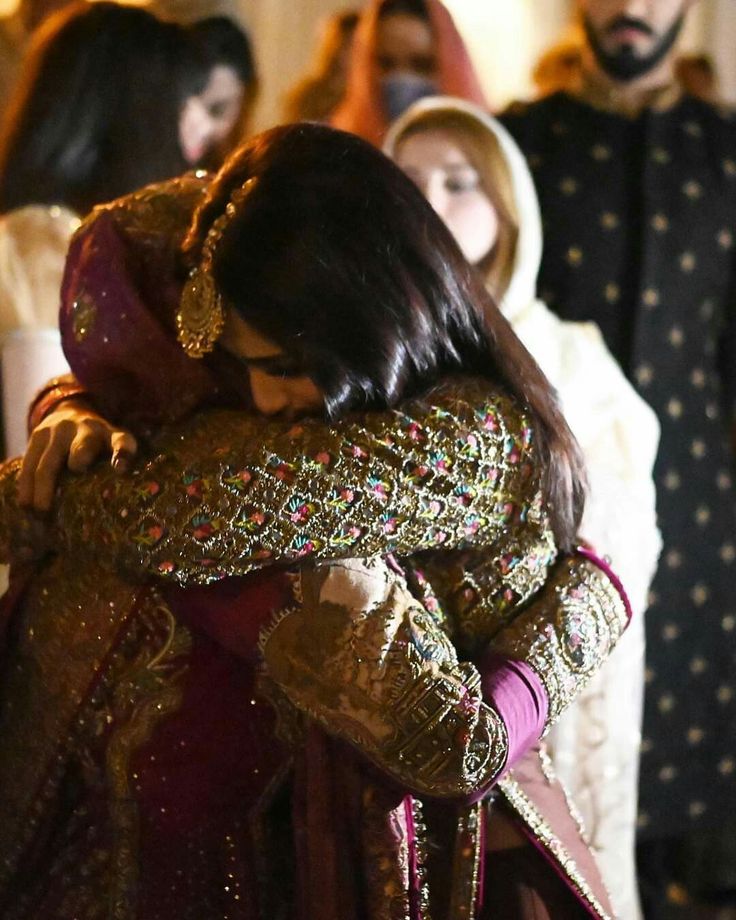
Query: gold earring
[201, 315]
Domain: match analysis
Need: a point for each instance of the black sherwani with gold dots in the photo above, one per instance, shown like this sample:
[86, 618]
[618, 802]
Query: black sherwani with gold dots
[640, 236]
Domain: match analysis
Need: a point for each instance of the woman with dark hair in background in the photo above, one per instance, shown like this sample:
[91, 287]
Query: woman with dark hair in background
[98, 113]
[232, 88]
[403, 50]
[316, 95]
[310, 278]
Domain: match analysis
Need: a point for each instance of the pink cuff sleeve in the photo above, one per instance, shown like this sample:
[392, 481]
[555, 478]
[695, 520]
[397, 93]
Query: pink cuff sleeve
[517, 694]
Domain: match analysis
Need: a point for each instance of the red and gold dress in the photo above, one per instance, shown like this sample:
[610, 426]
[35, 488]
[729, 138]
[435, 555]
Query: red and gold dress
[259, 676]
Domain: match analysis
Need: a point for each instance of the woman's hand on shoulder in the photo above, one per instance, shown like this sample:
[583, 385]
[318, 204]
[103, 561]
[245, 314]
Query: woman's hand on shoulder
[72, 436]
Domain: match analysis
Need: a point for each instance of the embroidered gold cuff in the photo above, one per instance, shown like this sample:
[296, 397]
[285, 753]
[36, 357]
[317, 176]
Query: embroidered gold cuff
[568, 631]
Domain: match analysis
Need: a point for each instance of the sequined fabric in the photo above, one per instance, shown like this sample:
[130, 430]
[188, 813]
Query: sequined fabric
[569, 637]
[457, 469]
[363, 657]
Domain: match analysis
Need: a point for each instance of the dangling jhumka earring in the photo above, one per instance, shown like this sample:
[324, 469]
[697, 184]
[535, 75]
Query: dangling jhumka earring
[201, 315]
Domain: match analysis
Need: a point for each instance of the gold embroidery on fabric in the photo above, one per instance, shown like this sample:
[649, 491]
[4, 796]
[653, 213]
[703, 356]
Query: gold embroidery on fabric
[385, 837]
[569, 632]
[535, 821]
[456, 472]
[466, 869]
[152, 688]
[48, 679]
[363, 658]
[421, 843]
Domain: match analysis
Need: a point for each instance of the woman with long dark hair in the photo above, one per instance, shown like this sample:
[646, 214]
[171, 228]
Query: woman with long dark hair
[437, 432]
[96, 115]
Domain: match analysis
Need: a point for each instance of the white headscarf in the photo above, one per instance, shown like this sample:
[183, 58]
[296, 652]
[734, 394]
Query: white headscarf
[521, 289]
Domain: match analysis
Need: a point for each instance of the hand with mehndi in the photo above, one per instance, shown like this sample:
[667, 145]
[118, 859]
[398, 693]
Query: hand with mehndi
[72, 437]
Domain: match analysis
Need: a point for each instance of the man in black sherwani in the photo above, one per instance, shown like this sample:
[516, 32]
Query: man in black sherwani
[637, 183]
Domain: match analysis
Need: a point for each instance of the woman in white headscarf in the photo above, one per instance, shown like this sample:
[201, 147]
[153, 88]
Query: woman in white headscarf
[476, 178]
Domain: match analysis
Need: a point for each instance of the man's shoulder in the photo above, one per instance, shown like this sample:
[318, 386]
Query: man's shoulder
[536, 108]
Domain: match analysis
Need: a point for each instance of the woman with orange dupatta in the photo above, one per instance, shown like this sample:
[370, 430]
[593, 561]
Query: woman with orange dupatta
[403, 50]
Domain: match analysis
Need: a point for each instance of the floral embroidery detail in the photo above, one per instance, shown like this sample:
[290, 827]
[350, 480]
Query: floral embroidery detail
[379, 487]
[253, 521]
[432, 509]
[148, 490]
[341, 499]
[348, 536]
[286, 472]
[488, 418]
[343, 503]
[203, 526]
[303, 546]
[239, 481]
[300, 510]
[567, 641]
[194, 485]
[322, 460]
[389, 522]
[149, 533]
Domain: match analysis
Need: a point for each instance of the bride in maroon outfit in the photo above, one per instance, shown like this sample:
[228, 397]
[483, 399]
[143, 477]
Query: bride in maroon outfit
[188, 737]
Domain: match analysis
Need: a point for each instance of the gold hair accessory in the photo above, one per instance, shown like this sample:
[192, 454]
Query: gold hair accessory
[201, 315]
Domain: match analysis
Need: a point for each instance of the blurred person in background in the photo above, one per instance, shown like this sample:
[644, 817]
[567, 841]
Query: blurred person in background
[225, 107]
[403, 50]
[637, 184]
[560, 67]
[72, 140]
[316, 95]
[477, 180]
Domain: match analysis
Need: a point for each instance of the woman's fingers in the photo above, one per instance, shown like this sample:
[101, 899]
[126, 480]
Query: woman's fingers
[50, 464]
[90, 441]
[123, 447]
[27, 476]
[74, 437]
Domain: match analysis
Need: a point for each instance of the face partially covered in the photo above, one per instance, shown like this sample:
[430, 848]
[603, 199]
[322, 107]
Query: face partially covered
[405, 44]
[277, 385]
[629, 38]
[436, 162]
[406, 60]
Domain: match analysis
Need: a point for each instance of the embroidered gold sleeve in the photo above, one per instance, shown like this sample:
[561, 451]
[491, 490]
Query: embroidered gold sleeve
[361, 656]
[480, 590]
[567, 633]
[227, 493]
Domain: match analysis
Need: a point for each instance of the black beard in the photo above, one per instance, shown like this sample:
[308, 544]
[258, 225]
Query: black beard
[624, 65]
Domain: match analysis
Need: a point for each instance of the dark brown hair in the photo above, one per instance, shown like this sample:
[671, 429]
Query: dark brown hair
[96, 112]
[336, 256]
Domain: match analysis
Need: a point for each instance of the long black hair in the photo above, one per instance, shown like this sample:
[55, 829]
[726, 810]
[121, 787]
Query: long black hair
[336, 256]
[96, 112]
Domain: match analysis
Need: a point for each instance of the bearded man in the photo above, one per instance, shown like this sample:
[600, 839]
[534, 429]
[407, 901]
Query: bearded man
[637, 182]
